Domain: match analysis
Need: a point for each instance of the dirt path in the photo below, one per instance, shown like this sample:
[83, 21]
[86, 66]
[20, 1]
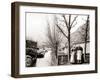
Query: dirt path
[46, 61]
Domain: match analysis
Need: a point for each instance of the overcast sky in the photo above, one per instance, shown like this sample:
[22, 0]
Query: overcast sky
[36, 25]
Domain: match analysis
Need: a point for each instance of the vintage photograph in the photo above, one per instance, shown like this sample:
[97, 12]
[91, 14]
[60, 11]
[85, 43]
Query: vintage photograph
[57, 39]
[53, 39]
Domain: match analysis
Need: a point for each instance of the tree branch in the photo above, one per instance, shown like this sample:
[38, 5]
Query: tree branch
[74, 25]
[74, 20]
[65, 21]
[62, 31]
[69, 22]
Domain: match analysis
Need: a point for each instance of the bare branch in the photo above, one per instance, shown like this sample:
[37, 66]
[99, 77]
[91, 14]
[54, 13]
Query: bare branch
[62, 25]
[69, 21]
[62, 31]
[49, 33]
[65, 21]
[74, 20]
[74, 25]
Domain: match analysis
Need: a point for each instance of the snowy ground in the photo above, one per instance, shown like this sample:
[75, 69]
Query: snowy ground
[45, 61]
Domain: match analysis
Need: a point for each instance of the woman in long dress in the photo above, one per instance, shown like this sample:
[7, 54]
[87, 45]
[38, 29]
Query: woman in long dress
[79, 55]
[73, 56]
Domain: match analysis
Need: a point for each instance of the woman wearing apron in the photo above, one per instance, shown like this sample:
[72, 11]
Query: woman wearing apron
[73, 56]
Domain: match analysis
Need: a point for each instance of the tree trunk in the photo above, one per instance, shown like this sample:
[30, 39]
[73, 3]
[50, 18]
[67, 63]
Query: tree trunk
[56, 52]
[85, 52]
[87, 25]
[69, 46]
[69, 38]
[85, 46]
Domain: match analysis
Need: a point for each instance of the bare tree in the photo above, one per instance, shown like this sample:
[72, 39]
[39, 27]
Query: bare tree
[54, 39]
[69, 24]
[84, 34]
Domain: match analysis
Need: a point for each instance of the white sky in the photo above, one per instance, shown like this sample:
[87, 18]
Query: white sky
[36, 25]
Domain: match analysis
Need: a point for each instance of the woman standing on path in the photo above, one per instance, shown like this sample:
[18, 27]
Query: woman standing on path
[79, 54]
[73, 56]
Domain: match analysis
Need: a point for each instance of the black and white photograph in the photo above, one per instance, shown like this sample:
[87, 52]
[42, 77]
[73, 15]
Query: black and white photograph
[57, 39]
[52, 39]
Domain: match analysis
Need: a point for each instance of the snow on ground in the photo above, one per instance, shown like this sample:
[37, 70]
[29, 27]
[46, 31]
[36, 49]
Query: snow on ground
[45, 61]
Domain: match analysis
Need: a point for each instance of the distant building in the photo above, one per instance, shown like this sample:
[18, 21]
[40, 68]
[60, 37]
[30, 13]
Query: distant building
[63, 53]
[82, 44]
[62, 58]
